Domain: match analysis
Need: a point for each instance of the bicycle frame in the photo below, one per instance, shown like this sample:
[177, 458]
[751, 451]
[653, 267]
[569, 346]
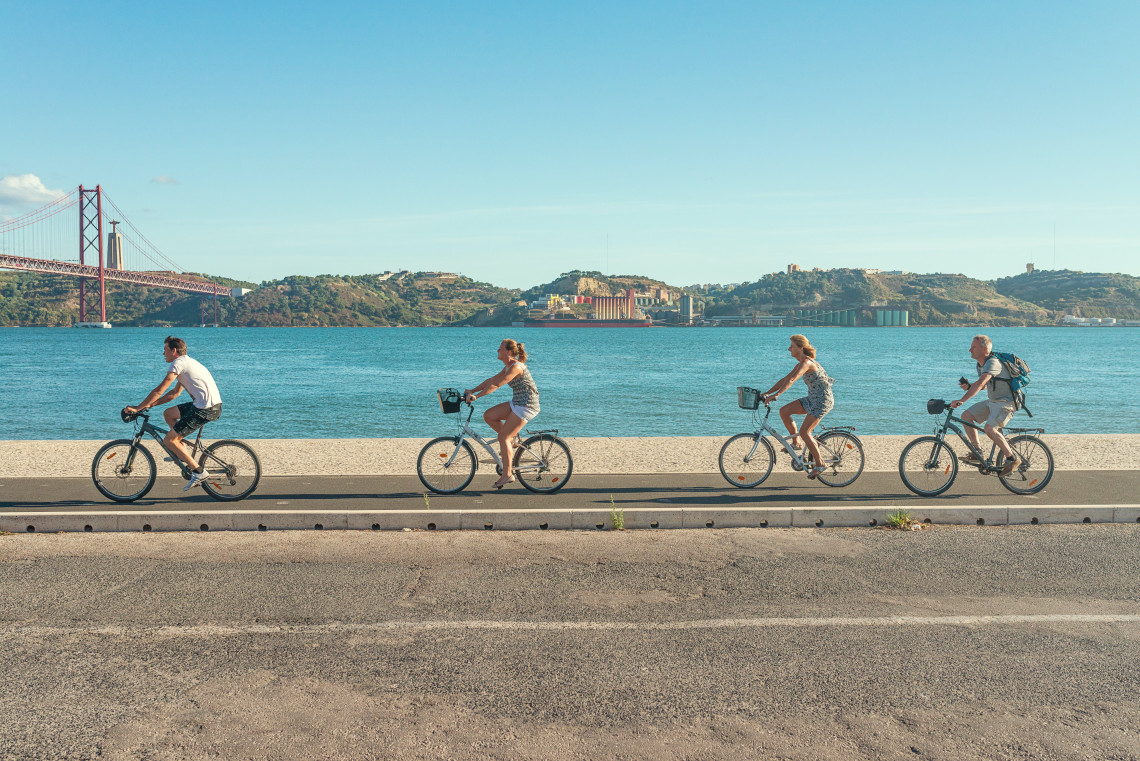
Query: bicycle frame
[156, 433]
[948, 425]
[466, 432]
[762, 427]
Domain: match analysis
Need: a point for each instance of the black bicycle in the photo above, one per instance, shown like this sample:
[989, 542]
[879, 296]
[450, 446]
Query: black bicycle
[928, 466]
[124, 470]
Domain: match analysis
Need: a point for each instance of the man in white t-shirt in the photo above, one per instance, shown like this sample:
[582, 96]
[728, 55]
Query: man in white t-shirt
[190, 375]
[996, 411]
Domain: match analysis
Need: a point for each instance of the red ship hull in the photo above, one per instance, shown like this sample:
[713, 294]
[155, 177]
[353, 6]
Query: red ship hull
[556, 323]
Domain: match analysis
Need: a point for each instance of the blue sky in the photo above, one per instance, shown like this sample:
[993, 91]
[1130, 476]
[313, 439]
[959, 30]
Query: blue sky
[707, 142]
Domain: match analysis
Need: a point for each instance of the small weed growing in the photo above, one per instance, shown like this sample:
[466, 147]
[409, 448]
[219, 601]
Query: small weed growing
[427, 501]
[5, 533]
[617, 517]
[901, 519]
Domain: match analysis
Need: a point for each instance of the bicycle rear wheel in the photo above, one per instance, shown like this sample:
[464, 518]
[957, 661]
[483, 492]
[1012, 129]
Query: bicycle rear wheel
[928, 466]
[741, 474]
[1035, 470]
[543, 464]
[122, 475]
[232, 470]
[442, 473]
[843, 458]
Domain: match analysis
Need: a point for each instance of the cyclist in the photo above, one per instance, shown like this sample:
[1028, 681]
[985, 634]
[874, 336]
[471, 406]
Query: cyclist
[508, 418]
[813, 407]
[187, 373]
[996, 411]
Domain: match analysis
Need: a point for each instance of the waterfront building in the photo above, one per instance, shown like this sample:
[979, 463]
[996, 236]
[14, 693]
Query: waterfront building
[615, 307]
[686, 309]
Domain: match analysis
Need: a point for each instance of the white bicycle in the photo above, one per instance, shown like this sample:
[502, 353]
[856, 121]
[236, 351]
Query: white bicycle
[446, 465]
[746, 459]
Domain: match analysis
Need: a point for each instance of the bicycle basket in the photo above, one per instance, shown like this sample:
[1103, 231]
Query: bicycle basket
[450, 400]
[936, 406]
[747, 398]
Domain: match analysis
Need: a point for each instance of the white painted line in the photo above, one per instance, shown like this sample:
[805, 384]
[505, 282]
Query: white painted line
[220, 630]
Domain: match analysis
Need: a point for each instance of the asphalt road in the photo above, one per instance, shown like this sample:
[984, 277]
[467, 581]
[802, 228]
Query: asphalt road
[683, 490]
[949, 643]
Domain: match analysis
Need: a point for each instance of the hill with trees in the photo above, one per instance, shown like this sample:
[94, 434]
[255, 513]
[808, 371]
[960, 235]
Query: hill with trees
[1082, 294]
[29, 298]
[427, 298]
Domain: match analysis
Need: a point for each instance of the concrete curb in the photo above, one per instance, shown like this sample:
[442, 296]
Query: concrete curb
[540, 519]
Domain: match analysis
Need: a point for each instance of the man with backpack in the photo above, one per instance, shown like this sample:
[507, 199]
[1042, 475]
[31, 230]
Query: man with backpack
[997, 410]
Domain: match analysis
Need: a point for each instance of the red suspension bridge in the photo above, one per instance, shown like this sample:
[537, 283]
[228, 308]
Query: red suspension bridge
[44, 240]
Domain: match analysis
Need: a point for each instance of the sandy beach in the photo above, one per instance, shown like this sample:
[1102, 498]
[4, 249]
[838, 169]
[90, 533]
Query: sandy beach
[598, 456]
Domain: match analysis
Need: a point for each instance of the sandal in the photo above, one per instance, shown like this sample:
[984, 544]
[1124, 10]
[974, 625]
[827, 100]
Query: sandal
[498, 485]
[815, 471]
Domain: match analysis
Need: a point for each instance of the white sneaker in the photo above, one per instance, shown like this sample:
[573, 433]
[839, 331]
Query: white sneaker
[195, 479]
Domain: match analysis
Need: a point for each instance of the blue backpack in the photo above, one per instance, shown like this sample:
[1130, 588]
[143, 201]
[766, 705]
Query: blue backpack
[1018, 370]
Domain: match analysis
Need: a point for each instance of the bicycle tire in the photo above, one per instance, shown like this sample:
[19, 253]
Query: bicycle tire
[1029, 471]
[232, 470]
[840, 450]
[439, 477]
[732, 454]
[554, 464]
[111, 478]
[936, 457]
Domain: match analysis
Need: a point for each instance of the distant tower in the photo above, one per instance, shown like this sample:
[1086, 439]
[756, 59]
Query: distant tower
[1029, 268]
[115, 247]
[686, 309]
[793, 268]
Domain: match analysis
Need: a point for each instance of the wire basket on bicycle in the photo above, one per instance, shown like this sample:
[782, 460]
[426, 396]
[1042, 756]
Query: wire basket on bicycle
[450, 400]
[748, 398]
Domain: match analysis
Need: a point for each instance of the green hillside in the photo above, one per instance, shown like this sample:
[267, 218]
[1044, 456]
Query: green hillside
[28, 298]
[418, 299]
[932, 299]
[1084, 294]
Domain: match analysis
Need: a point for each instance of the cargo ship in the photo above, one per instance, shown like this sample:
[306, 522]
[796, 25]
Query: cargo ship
[572, 322]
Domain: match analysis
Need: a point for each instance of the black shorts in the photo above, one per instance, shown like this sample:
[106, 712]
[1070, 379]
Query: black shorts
[193, 418]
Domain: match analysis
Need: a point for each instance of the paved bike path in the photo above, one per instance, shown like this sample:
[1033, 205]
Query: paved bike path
[647, 500]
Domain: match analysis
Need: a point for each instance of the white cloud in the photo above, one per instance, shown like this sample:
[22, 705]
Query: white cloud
[25, 190]
[164, 179]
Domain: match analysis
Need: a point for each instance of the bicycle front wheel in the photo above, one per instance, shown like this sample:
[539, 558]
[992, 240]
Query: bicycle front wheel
[440, 471]
[232, 470]
[123, 472]
[928, 466]
[843, 459]
[543, 464]
[1035, 470]
[738, 468]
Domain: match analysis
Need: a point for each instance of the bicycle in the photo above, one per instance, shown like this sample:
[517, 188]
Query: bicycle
[928, 466]
[124, 470]
[446, 465]
[746, 459]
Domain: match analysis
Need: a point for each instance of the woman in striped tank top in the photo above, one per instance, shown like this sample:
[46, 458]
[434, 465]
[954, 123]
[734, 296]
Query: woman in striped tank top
[508, 418]
[813, 407]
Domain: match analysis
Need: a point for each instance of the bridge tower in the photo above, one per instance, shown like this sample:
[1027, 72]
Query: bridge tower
[91, 241]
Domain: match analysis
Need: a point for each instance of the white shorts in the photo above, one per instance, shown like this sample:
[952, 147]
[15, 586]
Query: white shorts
[525, 414]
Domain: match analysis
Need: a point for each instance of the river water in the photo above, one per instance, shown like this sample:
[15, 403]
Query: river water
[64, 383]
